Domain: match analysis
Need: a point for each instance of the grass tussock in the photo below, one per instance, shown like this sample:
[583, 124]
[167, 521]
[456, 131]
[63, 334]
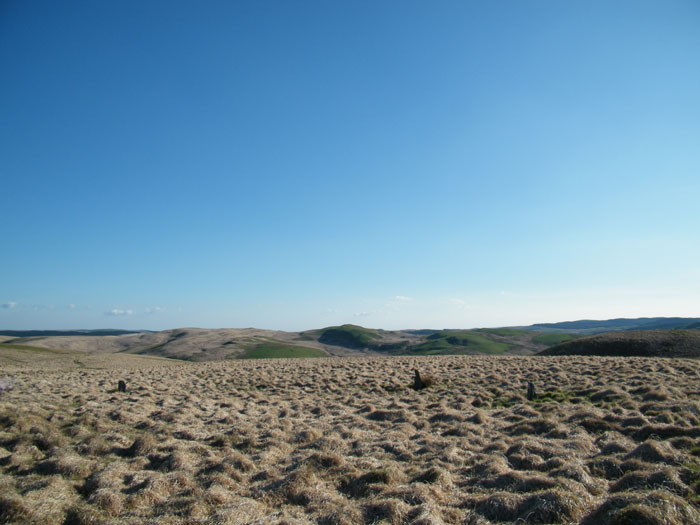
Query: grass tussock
[606, 440]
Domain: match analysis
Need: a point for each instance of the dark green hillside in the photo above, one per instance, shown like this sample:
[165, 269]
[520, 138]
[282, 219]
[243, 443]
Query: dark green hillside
[643, 343]
[349, 336]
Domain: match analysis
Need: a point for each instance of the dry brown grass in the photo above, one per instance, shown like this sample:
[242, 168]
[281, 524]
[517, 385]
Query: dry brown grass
[345, 441]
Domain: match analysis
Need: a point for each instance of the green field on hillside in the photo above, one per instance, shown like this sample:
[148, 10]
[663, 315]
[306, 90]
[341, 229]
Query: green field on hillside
[458, 342]
[551, 339]
[503, 331]
[348, 335]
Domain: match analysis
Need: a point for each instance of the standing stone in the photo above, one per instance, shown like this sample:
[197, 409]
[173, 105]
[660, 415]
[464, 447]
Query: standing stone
[530, 391]
[419, 383]
[121, 386]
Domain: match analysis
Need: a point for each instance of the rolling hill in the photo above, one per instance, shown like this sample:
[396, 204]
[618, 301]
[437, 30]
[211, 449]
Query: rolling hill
[66, 333]
[642, 343]
[458, 342]
[587, 326]
[191, 344]
[349, 336]
[197, 344]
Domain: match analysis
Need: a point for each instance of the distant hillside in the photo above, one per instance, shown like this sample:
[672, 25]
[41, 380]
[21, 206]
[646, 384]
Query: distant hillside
[508, 341]
[66, 333]
[643, 343]
[190, 344]
[459, 342]
[434, 342]
[588, 326]
[554, 338]
[197, 344]
[349, 336]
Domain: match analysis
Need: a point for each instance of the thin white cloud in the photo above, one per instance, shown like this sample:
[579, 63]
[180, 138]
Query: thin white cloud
[10, 305]
[70, 306]
[362, 314]
[457, 303]
[155, 309]
[37, 307]
[119, 311]
[394, 305]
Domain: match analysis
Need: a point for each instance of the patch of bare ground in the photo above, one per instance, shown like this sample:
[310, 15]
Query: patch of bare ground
[346, 441]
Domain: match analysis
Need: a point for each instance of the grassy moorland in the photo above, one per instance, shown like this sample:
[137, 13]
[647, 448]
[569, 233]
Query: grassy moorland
[27, 350]
[272, 350]
[345, 441]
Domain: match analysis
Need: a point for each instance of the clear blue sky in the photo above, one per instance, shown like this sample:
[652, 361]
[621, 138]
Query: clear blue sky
[394, 164]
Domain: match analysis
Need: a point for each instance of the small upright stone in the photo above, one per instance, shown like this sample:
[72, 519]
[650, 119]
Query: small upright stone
[121, 386]
[530, 391]
[419, 383]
